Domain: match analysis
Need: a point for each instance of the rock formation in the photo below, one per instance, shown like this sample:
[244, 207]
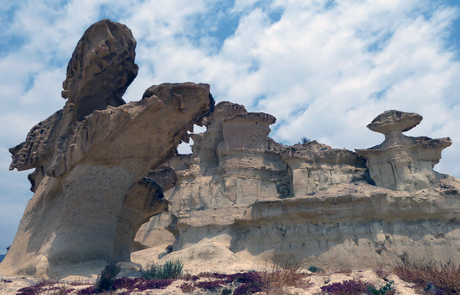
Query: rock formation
[243, 196]
[101, 68]
[402, 162]
[90, 158]
[239, 197]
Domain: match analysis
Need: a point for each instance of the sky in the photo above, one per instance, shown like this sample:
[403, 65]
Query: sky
[324, 68]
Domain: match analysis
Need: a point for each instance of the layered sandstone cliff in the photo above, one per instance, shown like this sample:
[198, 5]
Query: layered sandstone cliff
[245, 195]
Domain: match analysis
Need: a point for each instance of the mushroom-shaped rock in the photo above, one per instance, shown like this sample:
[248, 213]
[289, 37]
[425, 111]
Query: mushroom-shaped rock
[401, 162]
[91, 156]
[101, 68]
[394, 121]
[205, 144]
[247, 131]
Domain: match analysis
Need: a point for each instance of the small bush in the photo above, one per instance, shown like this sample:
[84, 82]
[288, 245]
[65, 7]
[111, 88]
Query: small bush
[105, 281]
[63, 290]
[210, 285]
[187, 288]
[37, 288]
[314, 268]
[189, 277]
[283, 272]
[170, 270]
[206, 274]
[353, 287]
[251, 282]
[250, 287]
[153, 284]
[304, 140]
[131, 284]
[385, 290]
[87, 291]
[439, 278]
[350, 287]
[382, 272]
[125, 283]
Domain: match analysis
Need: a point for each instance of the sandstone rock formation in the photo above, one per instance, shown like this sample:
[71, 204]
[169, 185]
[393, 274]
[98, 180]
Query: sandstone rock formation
[101, 68]
[243, 196]
[238, 198]
[236, 164]
[90, 158]
[402, 162]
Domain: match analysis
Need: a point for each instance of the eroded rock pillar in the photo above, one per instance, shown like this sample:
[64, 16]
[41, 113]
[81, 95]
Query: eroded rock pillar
[91, 156]
[403, 163]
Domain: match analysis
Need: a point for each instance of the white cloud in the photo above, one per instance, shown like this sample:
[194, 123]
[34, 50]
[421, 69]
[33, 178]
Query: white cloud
[241, 5]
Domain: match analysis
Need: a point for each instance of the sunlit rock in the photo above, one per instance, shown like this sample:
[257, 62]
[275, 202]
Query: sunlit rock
[243, 196]
[91, 157]
[403, 163]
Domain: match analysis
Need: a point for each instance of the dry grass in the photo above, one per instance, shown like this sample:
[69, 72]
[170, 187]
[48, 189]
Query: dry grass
[63, 290]
[431, 278]
[383, 271]
[282, 272]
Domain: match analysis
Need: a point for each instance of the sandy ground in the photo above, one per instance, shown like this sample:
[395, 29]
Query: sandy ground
[310, 285]
[211, 257]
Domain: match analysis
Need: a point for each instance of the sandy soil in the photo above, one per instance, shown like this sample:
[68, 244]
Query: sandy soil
[310, 285]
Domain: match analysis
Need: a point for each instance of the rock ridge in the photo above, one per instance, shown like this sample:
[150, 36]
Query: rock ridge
[310, 201]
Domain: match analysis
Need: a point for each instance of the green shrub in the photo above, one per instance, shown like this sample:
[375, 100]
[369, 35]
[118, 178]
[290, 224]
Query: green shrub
[313, 268]
[387, 289]
[304, 140]
[105, 281]
[170, 270]
[150, 273]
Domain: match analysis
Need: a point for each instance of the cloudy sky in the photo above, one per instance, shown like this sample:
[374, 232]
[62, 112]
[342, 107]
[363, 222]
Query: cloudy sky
[323, 68]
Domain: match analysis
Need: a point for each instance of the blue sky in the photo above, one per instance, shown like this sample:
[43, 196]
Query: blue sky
[324, 68]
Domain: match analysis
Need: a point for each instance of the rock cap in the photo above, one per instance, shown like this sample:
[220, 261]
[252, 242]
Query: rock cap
[394, 120]
[253, 118]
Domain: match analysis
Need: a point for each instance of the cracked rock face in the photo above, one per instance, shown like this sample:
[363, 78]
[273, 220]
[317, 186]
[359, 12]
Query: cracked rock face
[90, 158]
[403, 163]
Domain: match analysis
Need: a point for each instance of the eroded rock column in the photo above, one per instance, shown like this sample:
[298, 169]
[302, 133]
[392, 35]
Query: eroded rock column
[403, 163]
[91, 157]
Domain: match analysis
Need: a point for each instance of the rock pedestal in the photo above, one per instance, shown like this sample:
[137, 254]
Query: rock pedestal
[401, 162]
[90, 159]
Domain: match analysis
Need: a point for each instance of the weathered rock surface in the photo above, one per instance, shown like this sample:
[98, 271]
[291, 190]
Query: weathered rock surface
[402, 162]
[239, 198]
[247, 197]
[90, 158]
[101, 68]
